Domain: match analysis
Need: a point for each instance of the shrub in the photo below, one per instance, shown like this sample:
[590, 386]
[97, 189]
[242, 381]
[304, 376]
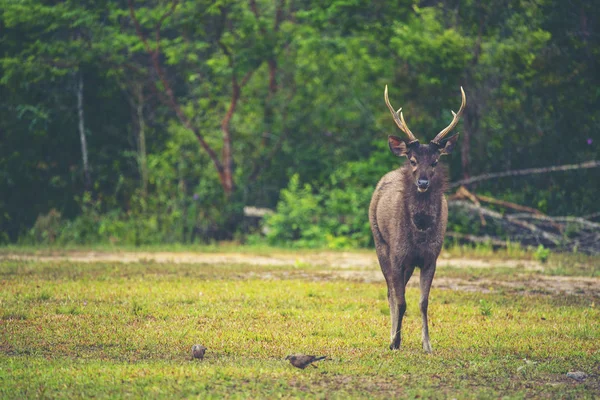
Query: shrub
[541, 254]
[296, 220]
[47, 227]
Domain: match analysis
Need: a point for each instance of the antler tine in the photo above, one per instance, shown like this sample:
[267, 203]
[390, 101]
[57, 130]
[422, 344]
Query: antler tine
[456, 117]
[399, 119]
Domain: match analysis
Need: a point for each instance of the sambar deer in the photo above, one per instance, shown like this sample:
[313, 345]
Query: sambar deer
[408, 215]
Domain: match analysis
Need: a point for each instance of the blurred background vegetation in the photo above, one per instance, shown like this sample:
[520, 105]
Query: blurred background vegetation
[143, 122]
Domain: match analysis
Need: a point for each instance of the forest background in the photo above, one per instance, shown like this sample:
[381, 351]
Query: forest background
[147, 122]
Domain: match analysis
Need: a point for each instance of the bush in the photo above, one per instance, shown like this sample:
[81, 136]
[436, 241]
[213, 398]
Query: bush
[541, 254]
[46, 228]
[297, 218]
[335, 217]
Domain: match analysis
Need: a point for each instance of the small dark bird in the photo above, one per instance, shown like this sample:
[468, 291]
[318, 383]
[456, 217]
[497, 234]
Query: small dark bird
[301, 361]
[198, 351]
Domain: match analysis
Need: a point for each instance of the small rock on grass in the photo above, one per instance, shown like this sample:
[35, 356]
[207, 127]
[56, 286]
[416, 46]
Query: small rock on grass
[577, 375]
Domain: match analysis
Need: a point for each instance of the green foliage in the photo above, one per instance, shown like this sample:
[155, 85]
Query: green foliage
[311, 76]
[297, 217]
[47, 227]
[347, 196]
[485, 308]
[541, 254]
[335, 215]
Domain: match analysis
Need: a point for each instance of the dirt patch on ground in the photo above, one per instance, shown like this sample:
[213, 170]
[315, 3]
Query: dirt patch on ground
[340, 260]
[361, 267]
[551, 285]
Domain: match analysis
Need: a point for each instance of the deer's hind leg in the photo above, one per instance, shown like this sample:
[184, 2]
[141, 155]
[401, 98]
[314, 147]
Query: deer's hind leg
[383, 255]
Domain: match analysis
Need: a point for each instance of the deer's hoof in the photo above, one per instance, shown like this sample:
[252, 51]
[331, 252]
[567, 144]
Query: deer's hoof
[427, 348]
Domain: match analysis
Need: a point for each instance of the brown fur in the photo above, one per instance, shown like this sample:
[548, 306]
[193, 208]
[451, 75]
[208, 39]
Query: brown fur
[408, 226]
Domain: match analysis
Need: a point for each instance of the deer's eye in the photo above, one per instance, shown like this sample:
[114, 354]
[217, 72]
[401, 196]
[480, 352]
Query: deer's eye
[413, 163]
[433, 164]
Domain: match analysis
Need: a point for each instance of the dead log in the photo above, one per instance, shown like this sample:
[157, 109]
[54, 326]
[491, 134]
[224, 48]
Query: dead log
[568, 219]
[527, 171]
[477, 239]
[553, 238]
[531, 227]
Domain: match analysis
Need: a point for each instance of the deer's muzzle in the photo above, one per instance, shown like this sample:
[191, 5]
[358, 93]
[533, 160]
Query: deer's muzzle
[422, 185]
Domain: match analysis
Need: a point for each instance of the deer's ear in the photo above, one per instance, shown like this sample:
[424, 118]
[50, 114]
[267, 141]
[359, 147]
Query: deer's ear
[448, 144]
[397, 146]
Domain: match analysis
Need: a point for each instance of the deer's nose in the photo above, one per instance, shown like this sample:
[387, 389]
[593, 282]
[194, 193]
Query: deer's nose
[423, 183]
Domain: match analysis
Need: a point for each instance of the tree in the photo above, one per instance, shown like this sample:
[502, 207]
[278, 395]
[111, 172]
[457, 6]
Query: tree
[234, 54]
[193, 109]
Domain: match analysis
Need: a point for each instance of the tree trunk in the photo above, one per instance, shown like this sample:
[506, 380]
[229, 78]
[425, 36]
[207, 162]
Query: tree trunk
[465, 147]
[227, 158]
[470, 121]
[183, 201]
[87, 181]
[226, 181]
[142, 162]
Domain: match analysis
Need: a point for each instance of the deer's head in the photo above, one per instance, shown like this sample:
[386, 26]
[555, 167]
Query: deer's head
[423, 158]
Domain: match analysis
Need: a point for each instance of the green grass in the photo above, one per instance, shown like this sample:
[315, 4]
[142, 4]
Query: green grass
[73, 330]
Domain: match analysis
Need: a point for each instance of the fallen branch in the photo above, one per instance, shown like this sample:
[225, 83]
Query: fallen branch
[518, 207]
[508, 204]
[528, 171]
[592, 215]
[554, 239]
[531, 227]
[575, 220]
[477, 239]
[462, 192]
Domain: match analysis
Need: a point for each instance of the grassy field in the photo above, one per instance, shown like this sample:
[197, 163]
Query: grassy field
[111, 329]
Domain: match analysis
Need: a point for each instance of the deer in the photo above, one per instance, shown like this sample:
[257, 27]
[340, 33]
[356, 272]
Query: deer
[408, 214]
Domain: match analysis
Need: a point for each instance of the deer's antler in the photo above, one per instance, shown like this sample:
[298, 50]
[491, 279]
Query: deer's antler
[399, 119]
[445, 131]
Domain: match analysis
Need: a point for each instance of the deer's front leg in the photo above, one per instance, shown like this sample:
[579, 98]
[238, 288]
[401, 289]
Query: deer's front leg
[401, 273]
[427, 273]
[397, 302]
